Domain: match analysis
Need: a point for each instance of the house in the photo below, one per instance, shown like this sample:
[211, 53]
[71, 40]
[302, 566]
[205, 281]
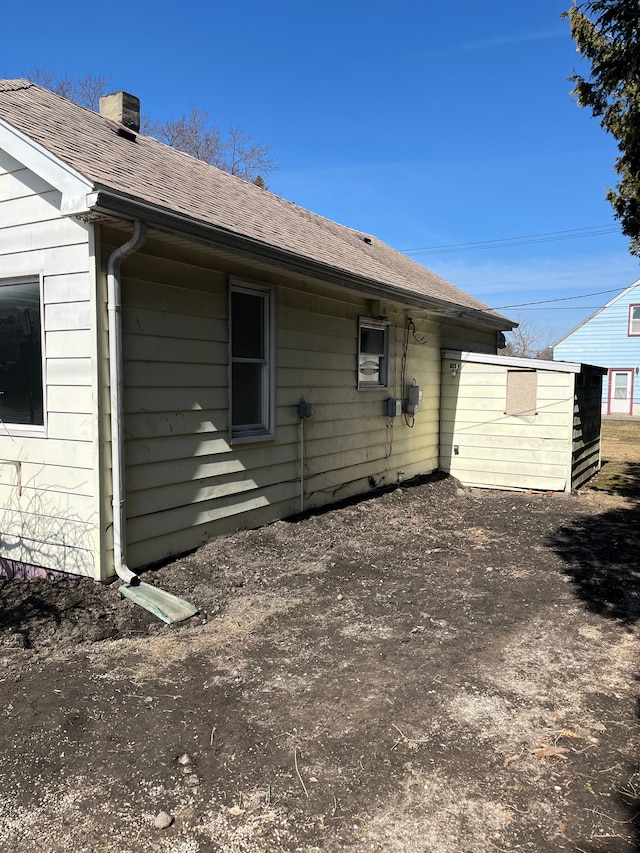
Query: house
[185, 354]
[519, 423]
[611, 337]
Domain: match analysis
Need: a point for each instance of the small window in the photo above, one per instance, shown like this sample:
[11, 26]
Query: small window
[252, 359]
[634, 320]
[21, 399]
[522, 391]
[373, 353]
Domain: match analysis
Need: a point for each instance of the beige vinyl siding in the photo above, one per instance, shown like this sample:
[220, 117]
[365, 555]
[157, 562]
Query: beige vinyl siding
[185, 481]
[48, 505]
[483, 446]
[460, 336]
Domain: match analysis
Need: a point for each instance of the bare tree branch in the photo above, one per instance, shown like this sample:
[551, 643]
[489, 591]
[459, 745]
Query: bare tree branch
[190, 133]
[234, 151]
[528, 341]
[85, 91]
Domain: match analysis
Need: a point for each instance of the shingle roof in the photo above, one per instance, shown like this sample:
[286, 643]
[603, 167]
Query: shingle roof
[154, 173]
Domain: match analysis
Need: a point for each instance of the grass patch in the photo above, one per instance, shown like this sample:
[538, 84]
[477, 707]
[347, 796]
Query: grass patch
[619, 478]
[620, 473]
[621, 440]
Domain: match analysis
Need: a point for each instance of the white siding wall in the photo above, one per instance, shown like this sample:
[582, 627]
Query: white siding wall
[185, 482]
[52, 520]
[484, 447]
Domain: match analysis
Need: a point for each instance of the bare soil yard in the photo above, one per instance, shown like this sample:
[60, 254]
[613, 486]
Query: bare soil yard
[433, 669]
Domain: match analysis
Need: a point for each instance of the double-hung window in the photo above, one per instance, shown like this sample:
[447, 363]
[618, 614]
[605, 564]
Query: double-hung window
[634, 320]
[21, 396]
[373, 353]
[252, 360]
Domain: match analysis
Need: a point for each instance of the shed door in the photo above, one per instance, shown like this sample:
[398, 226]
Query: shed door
[620, 384]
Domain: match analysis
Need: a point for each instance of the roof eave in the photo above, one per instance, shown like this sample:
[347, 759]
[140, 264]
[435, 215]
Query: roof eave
[105, 202]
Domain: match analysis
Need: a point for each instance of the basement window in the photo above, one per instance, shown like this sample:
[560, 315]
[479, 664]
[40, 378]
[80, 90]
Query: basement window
[21, 395]
[252, 361]
[522, 392]
[634, 320]
[373, 353]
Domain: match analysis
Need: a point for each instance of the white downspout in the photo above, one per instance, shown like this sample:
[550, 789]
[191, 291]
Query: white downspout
[116, 384]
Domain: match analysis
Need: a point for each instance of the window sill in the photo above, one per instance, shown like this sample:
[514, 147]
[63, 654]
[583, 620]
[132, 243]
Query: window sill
[22, 431]
[253, 437]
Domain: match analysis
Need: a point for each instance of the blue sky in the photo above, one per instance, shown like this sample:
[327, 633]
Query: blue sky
[427, 124]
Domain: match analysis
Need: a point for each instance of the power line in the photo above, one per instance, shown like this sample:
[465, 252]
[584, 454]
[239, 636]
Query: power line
[565, 308]
[507, 242]
[559, 299]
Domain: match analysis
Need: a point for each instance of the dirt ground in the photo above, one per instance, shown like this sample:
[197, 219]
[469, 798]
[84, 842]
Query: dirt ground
[433, 669]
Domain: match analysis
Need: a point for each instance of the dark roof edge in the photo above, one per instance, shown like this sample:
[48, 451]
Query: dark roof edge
[106, 201]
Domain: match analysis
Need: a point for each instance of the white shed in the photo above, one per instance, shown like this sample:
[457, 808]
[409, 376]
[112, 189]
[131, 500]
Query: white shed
[519, 423]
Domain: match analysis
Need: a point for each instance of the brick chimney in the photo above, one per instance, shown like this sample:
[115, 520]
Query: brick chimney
[123, 108]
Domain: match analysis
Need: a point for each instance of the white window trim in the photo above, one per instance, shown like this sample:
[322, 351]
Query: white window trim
[383, 325]
[630, 331]
[30, 430]
[267, 429]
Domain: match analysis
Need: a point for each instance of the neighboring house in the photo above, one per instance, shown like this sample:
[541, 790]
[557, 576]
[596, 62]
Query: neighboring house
[184, 354]
[610, 337]
[519, 423]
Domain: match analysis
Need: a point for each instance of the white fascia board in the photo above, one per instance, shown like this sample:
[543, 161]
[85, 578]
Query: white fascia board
[70, 183]
[508, 361]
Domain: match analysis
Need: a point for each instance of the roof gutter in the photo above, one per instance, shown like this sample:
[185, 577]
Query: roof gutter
[107, 202]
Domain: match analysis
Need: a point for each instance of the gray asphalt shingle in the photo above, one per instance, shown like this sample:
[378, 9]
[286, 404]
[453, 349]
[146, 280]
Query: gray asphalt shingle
[154, 173]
